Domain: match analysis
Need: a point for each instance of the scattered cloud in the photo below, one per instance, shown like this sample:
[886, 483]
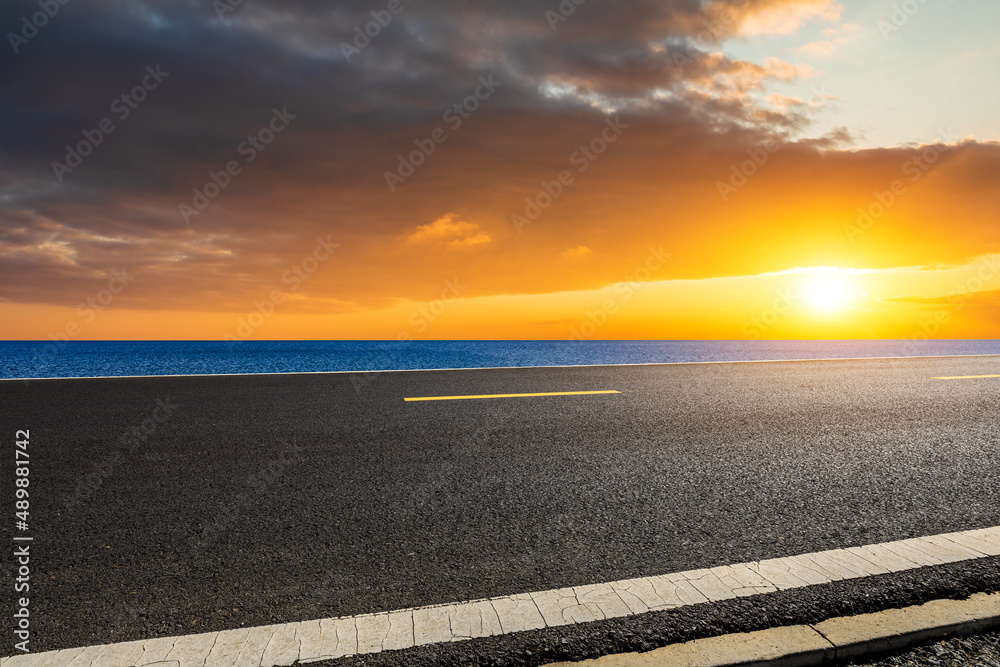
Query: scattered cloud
[449, 232]
[835, 38]
[783, 18]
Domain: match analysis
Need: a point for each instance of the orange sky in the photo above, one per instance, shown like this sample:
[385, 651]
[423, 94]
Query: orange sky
[630, 179]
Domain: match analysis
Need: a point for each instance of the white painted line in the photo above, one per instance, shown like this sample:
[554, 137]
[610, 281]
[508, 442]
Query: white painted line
[309, 641]
[503, 368]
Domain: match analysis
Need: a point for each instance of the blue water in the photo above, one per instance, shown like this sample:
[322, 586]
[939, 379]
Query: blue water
[36, 359]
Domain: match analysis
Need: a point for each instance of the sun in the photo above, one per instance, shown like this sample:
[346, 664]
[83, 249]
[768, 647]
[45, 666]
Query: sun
[827, 293]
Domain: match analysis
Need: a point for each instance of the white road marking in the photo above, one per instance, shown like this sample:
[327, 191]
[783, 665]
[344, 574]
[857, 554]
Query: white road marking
[309, 641]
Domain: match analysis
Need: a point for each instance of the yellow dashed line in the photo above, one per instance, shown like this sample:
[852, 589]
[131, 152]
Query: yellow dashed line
[544, 393]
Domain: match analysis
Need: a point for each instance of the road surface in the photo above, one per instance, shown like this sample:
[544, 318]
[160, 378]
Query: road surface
[164, 506]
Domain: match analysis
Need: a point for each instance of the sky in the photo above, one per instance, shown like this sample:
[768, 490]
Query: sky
[458, 169]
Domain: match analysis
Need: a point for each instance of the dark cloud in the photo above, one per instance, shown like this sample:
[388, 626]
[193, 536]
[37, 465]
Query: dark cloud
[692, 114]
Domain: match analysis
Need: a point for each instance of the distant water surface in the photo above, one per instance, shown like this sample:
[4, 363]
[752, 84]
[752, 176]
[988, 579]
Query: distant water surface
[37, 359]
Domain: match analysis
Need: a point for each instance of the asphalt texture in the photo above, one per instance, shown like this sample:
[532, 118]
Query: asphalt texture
[278, 498]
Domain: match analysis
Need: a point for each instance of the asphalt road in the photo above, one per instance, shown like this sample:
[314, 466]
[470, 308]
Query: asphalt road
[274, 498]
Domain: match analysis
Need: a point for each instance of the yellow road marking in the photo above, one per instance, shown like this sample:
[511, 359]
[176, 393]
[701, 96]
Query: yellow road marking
[544, 393]
[967, 377]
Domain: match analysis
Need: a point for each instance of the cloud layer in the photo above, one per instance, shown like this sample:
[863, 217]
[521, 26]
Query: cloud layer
[479, 109]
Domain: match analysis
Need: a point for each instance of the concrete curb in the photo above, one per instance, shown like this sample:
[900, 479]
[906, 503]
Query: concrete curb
[302, 642]
[823, 643]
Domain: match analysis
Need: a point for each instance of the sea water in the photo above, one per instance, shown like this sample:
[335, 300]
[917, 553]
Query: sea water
[40, 359]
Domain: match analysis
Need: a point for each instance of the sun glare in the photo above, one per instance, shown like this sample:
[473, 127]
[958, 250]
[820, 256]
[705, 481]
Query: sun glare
[827, 293]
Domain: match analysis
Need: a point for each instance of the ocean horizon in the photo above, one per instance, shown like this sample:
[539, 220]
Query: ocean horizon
[47, 359]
